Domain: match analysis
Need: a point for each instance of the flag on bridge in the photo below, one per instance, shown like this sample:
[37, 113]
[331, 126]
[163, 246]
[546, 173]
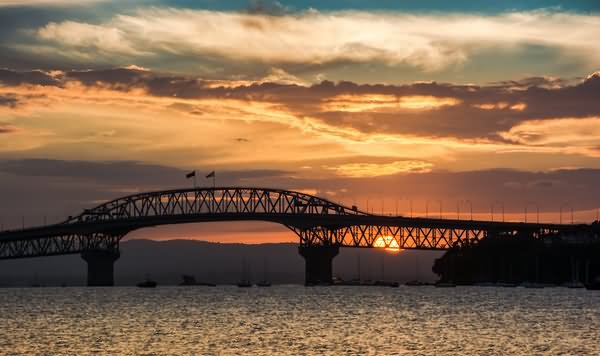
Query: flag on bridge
[191, 174]
[212, 175]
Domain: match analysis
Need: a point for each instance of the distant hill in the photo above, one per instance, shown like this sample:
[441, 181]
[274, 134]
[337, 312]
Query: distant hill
[166, 261]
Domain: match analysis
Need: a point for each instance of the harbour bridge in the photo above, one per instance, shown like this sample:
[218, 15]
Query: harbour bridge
[322, 227]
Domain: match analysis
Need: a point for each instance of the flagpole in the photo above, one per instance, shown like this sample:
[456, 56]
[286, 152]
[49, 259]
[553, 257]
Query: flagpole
[192, 174]
[212, 175]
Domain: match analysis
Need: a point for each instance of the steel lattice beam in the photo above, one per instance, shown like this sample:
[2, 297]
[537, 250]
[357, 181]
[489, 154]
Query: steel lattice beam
[317, 222]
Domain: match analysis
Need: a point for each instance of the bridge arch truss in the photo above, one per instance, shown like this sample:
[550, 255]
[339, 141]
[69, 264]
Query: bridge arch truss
[316, 221]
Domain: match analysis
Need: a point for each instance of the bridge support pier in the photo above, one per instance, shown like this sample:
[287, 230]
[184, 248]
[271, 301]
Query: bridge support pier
[318, 262]
[100, 263]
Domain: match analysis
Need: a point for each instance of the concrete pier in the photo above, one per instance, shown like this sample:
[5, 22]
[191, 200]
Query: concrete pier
[100, 267]
[318, 262]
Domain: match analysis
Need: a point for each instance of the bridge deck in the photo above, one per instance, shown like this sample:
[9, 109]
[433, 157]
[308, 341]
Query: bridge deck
[315, 220]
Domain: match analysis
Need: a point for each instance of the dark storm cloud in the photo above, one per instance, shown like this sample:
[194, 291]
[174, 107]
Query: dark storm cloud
[57, 188]
[267, 7]
[543, 82]
[9, 100]
[116, 78]
[110, 172]
[512, 188]
[6, 129]
[13, 78]
[118, 172]
[38, 187]
[480, 111]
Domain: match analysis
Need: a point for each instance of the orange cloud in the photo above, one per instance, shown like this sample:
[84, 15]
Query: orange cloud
[575, 135]
[385, 103]
[501, 106]
[381, 169]
[104, 120]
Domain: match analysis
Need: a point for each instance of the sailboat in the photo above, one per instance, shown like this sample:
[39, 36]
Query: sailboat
[416, 282]
[575, 281]
[382, 282]
[148, 283]
[189, 280]
[594, 285]
[245, 281]
[264, 282]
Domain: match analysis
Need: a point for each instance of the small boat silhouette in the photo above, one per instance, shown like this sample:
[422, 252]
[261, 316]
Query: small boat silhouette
[245, 281]
[148, 283]
[594, 285]
[189, 280]
[416, 283]
[445, 284]
[265, 282]
[244, 284]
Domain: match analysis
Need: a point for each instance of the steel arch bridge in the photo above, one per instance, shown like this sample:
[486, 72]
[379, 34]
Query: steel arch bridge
[319, 223]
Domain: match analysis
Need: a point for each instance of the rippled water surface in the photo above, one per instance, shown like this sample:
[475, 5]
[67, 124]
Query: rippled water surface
[295, 319]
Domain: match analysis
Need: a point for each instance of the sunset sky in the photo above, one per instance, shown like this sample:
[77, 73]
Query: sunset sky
[432, 103]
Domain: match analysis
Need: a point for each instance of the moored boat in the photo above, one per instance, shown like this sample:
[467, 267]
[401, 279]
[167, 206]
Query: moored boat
[386, 284]
[147, 284]
[594, 285]
[417, 283]
[445, 284]
[533, 285]
[191, 281]
[244, 284]
[574, 285]
[265, 282]
[245, 280]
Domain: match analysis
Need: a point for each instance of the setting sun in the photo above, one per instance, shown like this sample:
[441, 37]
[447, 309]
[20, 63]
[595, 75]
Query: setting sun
[258, 177]
[388, 243]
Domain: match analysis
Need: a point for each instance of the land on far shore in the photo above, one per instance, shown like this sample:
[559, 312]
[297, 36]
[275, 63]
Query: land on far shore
[166, 261]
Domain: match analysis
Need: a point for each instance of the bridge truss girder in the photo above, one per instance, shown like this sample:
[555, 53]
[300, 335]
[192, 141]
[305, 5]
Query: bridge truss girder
[402, 237]
[213, 202]
[59, 245]
[317, 222]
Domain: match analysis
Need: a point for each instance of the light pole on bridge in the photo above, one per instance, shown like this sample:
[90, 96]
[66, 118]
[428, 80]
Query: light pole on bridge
[537, 207]
[496, 202]
[410, 202]
[459, 202]
[427, 207]
[565, 205]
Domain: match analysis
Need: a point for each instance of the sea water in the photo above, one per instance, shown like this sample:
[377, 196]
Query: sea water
[299, 320]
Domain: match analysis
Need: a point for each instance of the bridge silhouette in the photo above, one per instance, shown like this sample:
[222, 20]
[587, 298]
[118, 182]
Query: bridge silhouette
[321, 225]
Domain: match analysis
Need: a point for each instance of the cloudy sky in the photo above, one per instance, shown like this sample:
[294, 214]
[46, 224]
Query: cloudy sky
[433, 104]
